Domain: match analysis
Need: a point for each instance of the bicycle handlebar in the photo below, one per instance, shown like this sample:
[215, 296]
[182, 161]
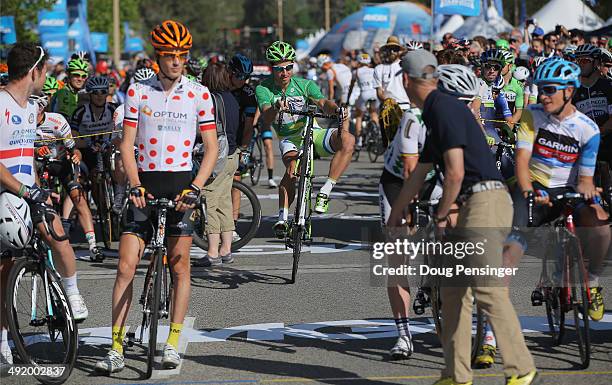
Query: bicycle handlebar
[161, 202]
[554, 198]
[312, 114]
[504, 144]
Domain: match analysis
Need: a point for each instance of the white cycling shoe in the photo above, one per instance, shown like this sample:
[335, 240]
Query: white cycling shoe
[113, 362]
[171, 358]
[79, 310]
[402, 349]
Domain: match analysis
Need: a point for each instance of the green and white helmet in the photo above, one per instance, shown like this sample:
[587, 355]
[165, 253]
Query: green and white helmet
[280, 51]
[78, 65]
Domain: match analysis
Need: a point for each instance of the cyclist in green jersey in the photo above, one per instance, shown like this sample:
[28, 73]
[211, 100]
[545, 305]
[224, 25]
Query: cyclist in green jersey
[513, 90]
[282, 90]
[66, 100]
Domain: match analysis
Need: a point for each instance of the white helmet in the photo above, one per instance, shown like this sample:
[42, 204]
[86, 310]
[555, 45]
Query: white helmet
[521, 73]
[413, 45]
[458, 80]
[42, 101]
[322, 59]
[364, 58]
[143, 74]
[312, 60]
[15, 221]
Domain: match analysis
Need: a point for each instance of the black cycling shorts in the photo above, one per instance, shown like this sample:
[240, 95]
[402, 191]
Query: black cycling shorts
[160, 184]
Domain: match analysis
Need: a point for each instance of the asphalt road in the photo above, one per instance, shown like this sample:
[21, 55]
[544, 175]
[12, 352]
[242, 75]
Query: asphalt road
[246, 324]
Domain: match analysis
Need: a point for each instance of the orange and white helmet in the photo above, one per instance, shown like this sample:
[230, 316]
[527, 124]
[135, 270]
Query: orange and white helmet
[171, 35]
[364, 58]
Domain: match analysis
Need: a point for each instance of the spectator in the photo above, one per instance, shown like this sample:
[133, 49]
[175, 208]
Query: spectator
[537, 48]
[475, 49]
[482, 41]
[550, 42]
[577, 38]
[594, 40]
[220, 222]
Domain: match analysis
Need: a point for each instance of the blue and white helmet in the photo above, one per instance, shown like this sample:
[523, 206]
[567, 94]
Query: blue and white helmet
[558, 72]
[241, 64]
[97, 83]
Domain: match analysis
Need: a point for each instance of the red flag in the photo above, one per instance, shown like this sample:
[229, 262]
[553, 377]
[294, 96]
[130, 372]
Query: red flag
[416, 29]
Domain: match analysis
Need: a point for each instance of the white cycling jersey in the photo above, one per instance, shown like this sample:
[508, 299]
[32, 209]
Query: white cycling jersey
[53, 127]
[365, 79]
[343, 76]
[389, 78]
[408, 141]
[166, 123]
[17, 136]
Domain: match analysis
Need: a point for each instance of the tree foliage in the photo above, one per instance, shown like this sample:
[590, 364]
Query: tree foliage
[100, 16]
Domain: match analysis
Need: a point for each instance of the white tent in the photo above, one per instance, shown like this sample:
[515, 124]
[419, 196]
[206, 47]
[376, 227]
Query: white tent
[609, 22]
[451, 25]
[476, 25]
[569, 13]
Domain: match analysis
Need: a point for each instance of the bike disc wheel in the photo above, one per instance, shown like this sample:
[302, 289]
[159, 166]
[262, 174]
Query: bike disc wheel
[580, 307]
[43, 333]
[257, 161]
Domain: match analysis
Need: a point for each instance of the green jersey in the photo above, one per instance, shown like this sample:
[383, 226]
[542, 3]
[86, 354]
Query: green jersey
[298, 94]
[514, 95]
[65, 102]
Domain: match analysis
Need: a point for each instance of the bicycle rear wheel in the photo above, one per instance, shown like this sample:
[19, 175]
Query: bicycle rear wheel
[104, 214]
[247, 224]
[256, 162]
[554, 315]
[580, 305]
[44, 333]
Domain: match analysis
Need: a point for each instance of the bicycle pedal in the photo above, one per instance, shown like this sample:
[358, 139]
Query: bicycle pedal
[537, 298]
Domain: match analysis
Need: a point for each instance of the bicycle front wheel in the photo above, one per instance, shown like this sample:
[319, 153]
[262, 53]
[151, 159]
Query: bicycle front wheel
[554, 315]
[44, 332]
[303, 203]
[150, 318]
[104, 213]
[580, 304]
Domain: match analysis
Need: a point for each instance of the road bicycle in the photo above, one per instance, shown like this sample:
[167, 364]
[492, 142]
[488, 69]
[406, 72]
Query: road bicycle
[255, 160]
[428, 292]
[300, 226]
[371, 137]
[40, 318]
[103, 193]
[565, 289]
[156, 297]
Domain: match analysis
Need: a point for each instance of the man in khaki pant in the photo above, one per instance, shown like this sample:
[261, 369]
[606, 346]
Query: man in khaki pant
[456, 144]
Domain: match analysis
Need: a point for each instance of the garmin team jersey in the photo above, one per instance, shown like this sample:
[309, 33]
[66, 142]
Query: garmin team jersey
[17, 135]
[96, 129]
[561, 150]
[298, 94]
[166, 123]
[55, 133]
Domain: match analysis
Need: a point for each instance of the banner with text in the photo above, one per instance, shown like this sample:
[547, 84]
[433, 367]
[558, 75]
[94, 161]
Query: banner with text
[376, 18]
[99, 41]
[457, 7]
[8, 35]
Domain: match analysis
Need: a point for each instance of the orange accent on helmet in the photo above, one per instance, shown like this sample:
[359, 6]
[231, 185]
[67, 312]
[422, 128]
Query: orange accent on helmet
[61, 84]
[3, 67]
[155, 67]
[171, 35]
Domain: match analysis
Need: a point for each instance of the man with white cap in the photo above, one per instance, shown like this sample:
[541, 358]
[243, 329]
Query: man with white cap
[456, 145]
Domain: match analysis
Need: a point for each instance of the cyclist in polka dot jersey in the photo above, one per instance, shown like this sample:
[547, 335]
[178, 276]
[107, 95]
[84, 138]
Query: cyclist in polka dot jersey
[162, 117]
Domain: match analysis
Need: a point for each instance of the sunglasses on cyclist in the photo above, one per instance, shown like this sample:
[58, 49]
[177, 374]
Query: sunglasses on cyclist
[288, 68]
[495, 67]
[241, 76]
[181, 55]
[99, 92]
[550, 90]
[584, 60]
[79, 75]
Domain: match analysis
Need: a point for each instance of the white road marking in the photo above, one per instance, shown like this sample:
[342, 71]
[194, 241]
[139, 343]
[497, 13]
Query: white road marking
[182, 348]
[359, 330]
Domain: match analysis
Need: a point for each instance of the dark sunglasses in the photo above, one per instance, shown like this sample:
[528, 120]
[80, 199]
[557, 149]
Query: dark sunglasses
[288, 68]
[82, 76]
[584, 60]
[496, 67]
[550, 90]
[241, 76]
[99, 92]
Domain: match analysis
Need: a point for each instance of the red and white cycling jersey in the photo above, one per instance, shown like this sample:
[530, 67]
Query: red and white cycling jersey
[53, 127]
[166, 123]
[17, 135]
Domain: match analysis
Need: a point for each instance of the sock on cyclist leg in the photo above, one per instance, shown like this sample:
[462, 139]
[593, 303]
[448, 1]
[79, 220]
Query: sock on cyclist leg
[283, 214]
[174, 334]
[118, 333]
[489, 338]
[70, 284]
[91, 239]
[270, 173]
[327, 187]
[403, 328]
